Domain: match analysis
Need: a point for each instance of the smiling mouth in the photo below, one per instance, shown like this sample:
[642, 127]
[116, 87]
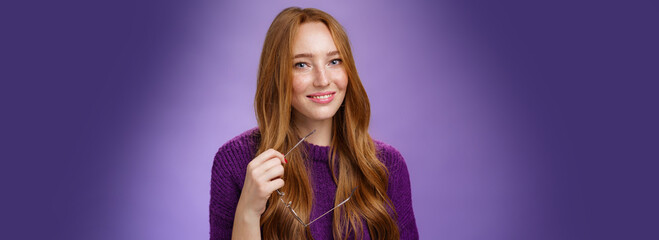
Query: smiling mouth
[326, 96]
[322, 97]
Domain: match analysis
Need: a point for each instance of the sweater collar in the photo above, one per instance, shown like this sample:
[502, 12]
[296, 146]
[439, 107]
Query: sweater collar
[317, 153]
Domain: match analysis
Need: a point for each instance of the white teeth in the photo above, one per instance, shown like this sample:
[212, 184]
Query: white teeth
[322, 97]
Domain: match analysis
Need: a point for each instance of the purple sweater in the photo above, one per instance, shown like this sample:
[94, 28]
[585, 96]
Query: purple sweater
[228, 176]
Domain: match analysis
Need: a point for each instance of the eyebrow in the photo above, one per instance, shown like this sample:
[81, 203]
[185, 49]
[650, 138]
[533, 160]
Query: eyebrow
[309, 55]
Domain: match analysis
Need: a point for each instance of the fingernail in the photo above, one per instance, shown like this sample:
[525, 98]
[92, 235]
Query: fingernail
[285, 161]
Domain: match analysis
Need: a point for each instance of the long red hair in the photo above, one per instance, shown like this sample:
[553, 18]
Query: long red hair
[351, 143]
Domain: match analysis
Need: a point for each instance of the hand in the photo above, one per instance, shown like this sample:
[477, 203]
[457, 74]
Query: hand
[263, 177]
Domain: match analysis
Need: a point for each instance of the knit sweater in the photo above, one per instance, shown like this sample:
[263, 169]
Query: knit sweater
[228, 177]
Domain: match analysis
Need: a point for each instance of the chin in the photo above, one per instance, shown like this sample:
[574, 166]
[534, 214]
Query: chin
[319, 114]
[322, 116]
[316, 113]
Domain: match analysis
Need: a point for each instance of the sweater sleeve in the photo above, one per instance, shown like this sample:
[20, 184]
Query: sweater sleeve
[400, 191]
[227, 178]
[224, 192]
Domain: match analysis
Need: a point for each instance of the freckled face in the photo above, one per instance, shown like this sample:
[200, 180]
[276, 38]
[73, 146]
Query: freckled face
[319, 78]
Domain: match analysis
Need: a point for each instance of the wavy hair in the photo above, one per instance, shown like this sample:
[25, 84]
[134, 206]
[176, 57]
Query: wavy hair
[351, 143]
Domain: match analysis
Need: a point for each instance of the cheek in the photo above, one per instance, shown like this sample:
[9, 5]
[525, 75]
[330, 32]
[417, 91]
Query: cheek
[299, 85]
[341, 80]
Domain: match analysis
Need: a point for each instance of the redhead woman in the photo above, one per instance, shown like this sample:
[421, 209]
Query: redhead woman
[310, 170]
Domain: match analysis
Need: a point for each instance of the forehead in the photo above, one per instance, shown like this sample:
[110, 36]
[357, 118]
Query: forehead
[314, 38]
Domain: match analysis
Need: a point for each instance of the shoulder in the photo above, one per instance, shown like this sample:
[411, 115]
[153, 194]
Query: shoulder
[388, 155]
[245, 143]
[232, 157]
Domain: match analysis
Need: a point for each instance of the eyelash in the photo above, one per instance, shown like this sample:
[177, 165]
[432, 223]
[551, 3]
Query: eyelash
[298, 64]
[339, 61]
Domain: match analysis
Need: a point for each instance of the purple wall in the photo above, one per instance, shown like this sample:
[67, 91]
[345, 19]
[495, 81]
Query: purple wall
[517, 120]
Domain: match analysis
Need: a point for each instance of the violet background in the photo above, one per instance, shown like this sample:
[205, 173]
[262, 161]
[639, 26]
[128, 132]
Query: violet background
[518, 120]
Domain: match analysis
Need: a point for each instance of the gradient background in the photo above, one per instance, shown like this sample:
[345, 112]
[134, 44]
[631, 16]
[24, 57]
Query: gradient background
[517, 120]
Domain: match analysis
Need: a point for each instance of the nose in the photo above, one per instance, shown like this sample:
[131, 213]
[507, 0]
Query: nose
[321, 79]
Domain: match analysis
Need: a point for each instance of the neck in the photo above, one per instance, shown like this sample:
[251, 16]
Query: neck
[323, 134]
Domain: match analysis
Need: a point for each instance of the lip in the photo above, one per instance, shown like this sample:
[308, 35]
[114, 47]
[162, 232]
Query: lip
[322, 100]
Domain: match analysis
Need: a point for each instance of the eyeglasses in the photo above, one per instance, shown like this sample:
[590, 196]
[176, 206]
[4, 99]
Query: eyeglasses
[288, 205]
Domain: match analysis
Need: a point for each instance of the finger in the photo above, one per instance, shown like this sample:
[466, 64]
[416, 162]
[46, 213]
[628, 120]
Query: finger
[276, 184]
[265, 166]
[274, 173]
[266, 155]
[280, 156]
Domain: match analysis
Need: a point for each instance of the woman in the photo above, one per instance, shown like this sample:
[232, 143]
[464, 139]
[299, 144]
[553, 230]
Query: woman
[307, 83]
